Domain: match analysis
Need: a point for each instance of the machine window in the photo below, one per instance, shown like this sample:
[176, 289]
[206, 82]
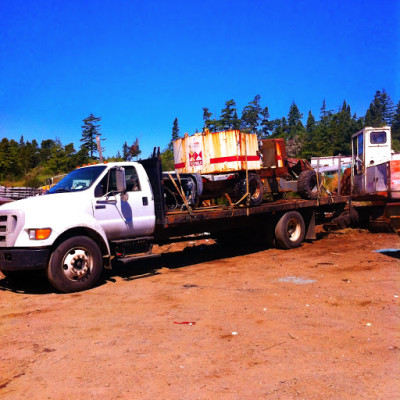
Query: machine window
[378, 137]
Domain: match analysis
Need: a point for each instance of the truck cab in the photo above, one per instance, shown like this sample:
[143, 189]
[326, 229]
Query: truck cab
[375, 169]
[94, 212]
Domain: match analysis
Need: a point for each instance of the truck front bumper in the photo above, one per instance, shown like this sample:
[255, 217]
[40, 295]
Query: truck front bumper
[23, 259]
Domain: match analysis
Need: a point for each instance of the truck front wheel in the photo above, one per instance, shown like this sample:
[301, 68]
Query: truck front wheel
[75, 265]
[290, 230]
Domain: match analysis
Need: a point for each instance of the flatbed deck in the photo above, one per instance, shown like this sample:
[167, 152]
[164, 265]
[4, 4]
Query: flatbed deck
[175, 218]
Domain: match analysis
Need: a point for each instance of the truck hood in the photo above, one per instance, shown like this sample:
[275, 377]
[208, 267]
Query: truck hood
[50, 204]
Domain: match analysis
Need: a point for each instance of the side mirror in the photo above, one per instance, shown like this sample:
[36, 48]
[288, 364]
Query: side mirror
[120, 180]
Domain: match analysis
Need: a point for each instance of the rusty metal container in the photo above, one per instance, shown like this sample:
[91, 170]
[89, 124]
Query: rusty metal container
[394, 171]
[216, 152]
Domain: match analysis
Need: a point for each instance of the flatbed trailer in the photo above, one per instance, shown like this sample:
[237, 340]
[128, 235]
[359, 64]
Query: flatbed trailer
[270, 219]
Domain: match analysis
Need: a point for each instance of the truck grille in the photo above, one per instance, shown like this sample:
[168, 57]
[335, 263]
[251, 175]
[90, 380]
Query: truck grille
[11, 223]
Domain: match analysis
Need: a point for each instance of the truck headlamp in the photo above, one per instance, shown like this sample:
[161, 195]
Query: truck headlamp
[39, 234]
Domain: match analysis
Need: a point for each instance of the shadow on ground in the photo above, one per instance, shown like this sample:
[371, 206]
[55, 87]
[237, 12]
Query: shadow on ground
[35, 282]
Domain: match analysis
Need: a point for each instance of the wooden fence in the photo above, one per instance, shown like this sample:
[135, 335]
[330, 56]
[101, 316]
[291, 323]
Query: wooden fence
[17, 193]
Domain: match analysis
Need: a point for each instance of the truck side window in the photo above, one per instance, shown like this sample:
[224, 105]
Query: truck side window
[132, 179]
[107, 184]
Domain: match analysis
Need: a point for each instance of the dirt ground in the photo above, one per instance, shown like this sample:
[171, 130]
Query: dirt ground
[317, 322]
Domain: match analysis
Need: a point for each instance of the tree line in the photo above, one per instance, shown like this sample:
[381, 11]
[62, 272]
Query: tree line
[327, 134]
[30, 163]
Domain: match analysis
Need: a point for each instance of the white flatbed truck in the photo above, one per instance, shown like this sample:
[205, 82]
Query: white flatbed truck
[117, 210]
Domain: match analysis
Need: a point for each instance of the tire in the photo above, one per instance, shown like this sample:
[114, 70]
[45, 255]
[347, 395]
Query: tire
[290, 230]
[307, 186]
[75, 265]
[256, 189]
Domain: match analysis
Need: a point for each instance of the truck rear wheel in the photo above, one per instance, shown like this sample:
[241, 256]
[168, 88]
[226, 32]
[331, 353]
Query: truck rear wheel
[75, 265]
[290, 230]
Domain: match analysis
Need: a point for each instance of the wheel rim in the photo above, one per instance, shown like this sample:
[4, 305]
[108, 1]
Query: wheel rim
[77, 263]
[293, 229]
[255, 190]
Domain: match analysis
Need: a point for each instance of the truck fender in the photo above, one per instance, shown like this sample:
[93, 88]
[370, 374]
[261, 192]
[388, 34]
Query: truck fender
[88, 226]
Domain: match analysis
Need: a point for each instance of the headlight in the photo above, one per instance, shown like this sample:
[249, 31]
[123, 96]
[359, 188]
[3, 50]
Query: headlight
[39, 234]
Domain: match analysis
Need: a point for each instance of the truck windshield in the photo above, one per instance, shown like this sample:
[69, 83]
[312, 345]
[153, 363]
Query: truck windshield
[79, 179]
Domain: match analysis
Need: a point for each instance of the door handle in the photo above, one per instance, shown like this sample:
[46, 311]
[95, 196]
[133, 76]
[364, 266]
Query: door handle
[145, 201]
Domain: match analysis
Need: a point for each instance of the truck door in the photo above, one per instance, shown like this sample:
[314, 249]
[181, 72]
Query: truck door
[359, 163]
[124, 216]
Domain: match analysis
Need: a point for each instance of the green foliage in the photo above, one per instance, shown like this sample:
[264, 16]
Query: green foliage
[167, 160]
[134, 150]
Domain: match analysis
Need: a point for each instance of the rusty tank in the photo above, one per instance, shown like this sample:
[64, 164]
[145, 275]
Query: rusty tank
[217, 152]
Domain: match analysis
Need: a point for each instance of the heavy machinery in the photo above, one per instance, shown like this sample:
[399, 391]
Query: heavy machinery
[237, 166]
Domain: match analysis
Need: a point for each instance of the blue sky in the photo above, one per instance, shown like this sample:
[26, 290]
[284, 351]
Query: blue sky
[140, 64]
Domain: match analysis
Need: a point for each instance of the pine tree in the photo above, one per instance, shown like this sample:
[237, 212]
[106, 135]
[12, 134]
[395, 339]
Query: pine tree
[228, 118]
[175, 133]
[91, 129]
[250, 120]
[396, 129]
[309, 148]
[266, 124]
[210, 124]
[324, 145]
[296, 127]
[125, 151]
[380, 111]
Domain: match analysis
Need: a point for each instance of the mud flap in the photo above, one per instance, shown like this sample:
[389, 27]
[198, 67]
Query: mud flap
[309, 220]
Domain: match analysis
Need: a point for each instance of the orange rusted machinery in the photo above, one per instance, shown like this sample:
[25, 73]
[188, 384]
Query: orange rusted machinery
[237, 165]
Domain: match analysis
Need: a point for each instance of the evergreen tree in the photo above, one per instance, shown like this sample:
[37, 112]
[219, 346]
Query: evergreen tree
[209, 123]
[229, 118]
[396, 129]
[340, 130]
[325, 138]
[279, 128]
[125, 151]
[250, 120]
[91, 129]
[175, 133]
[380, 111]
[266, 124]
[296, 128]
[310, 139]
